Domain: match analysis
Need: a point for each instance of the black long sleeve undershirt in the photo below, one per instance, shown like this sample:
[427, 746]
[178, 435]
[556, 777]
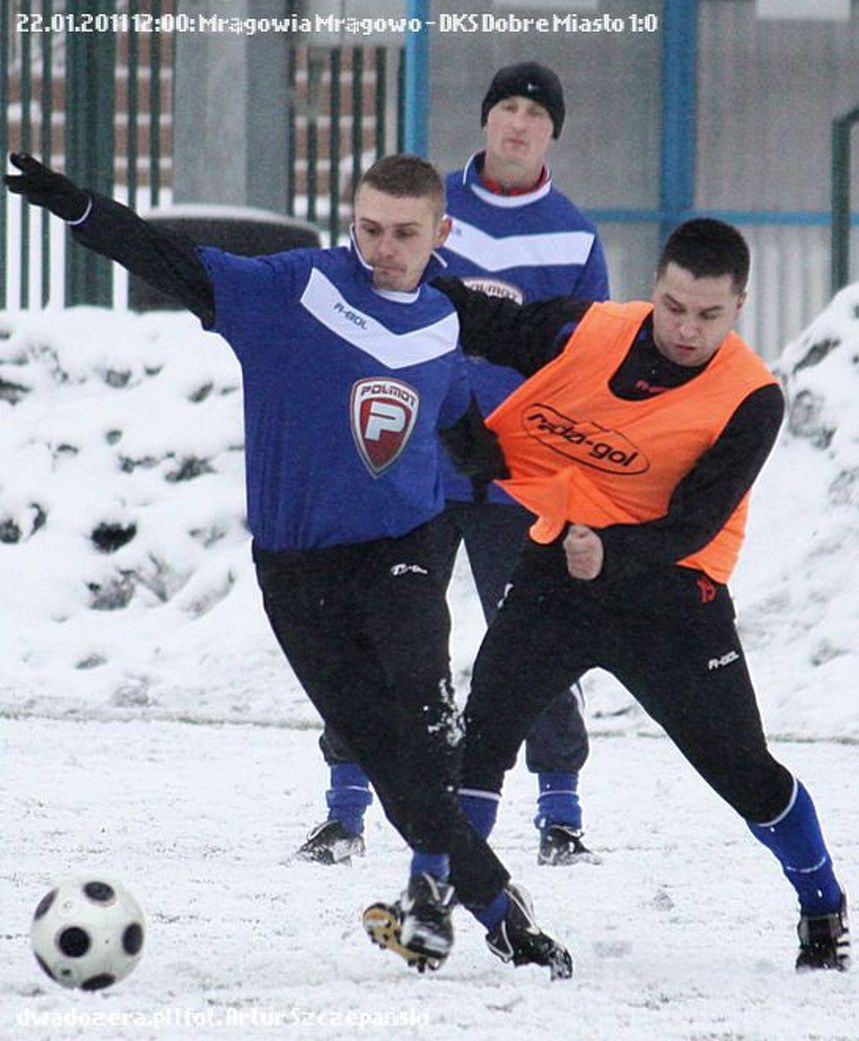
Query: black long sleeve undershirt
[165, 259]
[528, 337]
[506, 333]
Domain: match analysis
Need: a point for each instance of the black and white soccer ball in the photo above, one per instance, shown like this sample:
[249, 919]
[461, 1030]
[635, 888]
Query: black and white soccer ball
[87, 933]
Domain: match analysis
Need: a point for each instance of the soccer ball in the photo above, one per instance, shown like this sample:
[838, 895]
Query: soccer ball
[87, 933]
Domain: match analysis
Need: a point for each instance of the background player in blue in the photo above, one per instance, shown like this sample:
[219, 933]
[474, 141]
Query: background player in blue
[513, 235]
[350, 369]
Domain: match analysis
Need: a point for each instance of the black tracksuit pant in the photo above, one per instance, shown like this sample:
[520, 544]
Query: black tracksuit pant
[668, 635]
[494, 535]
[365, 627]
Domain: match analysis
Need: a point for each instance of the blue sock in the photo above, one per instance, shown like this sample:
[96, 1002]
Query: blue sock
[436, 865]
[797, 841]
[349, 796]
[493, 913]
[558, 802]
[480, 809]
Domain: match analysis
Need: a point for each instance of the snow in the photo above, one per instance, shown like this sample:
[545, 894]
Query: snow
[152, 731]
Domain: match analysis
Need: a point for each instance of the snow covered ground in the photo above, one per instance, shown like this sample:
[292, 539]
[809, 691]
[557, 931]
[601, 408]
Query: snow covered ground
[684, 933]
[150, 730]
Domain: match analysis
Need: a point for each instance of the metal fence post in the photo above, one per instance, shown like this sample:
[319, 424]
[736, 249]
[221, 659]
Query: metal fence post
[47, 144]
[335, 110]
[840, 262]
[155, 111]
[416, 86]
[90, 74]
[291, 132]
[381, 99]
[315, 72]
[132, 106]
[26, 146]
[401, 101]
[679, 92]
[357, 112]
[5, 73]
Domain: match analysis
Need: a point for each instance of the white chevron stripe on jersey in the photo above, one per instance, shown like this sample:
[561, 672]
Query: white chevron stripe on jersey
[396, 350]
[509, 251]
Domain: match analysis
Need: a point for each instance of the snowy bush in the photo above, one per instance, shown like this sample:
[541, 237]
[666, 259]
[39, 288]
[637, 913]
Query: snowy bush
[125, 561]
[122, 522]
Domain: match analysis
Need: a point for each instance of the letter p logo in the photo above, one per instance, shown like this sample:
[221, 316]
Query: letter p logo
[384, 415]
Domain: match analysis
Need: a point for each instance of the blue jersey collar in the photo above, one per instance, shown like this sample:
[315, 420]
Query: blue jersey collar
[471, 179]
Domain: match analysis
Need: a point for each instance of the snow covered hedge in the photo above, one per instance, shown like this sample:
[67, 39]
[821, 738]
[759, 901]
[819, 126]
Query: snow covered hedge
[124, 555]
[803, 614]
[122, 523]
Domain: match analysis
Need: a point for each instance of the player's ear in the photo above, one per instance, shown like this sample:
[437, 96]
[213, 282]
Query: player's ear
[443, 231]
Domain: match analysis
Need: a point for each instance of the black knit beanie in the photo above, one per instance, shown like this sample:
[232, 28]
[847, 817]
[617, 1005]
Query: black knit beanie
[530, 80]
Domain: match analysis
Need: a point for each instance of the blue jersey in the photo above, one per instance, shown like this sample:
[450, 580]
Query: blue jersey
[527, 247]
[345, 388]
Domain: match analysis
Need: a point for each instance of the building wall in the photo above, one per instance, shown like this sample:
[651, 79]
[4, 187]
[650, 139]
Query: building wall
[767, 94]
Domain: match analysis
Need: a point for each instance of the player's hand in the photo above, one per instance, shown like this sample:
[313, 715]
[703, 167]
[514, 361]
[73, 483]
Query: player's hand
[584, 552]
[453, 288]
[42, 186]
[474, 448]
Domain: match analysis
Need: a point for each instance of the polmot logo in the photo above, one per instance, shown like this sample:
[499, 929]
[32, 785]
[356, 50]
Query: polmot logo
[383, 415]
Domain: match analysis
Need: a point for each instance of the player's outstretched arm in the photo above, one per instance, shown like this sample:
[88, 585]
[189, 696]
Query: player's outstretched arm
[166, 260]
[525, 337]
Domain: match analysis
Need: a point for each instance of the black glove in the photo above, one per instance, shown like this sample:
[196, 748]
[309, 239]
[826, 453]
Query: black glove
[42, 186]
[453, 288]
[474, 449]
